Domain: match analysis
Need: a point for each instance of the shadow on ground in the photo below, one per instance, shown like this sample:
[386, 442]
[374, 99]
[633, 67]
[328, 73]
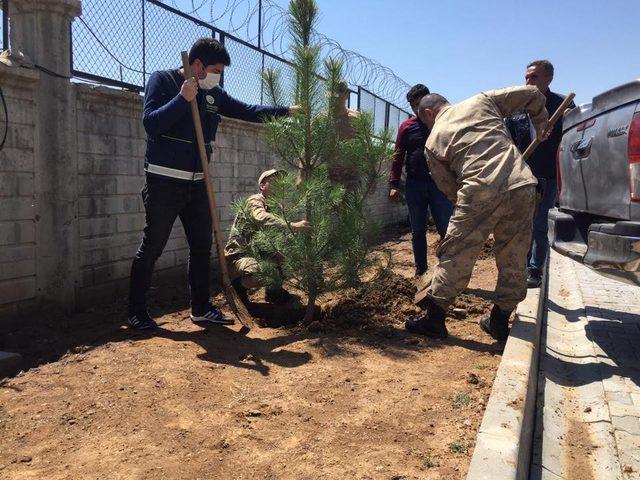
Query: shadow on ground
[616, 336]
[52, 335]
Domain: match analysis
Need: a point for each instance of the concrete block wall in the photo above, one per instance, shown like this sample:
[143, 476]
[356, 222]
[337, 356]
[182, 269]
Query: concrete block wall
[380, 207]
[110, 152]
[109, 160]
[18, 211]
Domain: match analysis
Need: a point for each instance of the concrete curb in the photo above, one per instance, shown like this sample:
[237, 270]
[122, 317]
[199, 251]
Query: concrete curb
[505, 439]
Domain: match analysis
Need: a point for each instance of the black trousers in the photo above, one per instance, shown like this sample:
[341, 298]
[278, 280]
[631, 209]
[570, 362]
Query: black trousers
[165, 200]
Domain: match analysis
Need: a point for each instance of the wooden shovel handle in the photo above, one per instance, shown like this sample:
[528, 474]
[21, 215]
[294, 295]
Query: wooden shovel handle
[236, 304]
[552, 121]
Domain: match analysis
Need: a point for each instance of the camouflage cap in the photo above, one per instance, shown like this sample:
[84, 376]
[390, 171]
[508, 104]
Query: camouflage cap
[267, 173]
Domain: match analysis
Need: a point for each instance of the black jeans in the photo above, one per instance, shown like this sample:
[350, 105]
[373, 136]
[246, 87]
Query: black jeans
[164, 200]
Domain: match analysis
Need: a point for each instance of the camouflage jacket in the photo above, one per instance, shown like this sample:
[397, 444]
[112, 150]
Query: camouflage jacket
[470, 146]
[237, 242]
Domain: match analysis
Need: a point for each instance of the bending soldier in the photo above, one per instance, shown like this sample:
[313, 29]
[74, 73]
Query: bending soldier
[476, 164]
[345, 175]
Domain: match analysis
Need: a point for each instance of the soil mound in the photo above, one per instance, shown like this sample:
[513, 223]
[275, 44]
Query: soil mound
[384, 303]
[468, 306]
[381, 303]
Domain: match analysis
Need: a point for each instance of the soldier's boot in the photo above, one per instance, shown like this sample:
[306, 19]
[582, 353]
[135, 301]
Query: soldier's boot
[497, 324]
[277, 295]
[430, 322]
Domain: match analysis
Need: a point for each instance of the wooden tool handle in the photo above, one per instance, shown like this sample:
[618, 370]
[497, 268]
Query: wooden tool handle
[207, 177]
[552, 121]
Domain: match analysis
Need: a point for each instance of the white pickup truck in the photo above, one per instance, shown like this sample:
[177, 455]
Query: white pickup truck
[597, 221]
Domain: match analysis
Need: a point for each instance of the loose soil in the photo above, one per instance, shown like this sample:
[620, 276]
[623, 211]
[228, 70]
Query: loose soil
[351, 397]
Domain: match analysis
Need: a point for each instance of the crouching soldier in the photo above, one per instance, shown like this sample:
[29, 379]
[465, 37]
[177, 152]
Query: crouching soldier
[243, 268]
[475, 163]
[174, 180]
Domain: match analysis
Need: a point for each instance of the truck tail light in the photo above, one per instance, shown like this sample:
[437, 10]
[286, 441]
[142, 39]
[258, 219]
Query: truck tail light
[634, 158]
[558, 173]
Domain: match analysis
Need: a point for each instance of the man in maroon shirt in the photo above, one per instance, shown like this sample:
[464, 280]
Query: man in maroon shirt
[421, 191]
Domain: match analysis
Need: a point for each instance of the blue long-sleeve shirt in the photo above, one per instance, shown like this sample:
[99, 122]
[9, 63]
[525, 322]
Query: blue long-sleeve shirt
[172, 150]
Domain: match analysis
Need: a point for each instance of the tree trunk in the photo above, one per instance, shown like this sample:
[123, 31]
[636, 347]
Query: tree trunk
[311, 307]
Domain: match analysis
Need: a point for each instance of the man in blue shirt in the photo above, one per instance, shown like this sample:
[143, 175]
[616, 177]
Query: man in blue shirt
[174, 180]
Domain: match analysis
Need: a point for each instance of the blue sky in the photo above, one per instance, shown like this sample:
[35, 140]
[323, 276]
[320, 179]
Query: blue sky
[461, 47]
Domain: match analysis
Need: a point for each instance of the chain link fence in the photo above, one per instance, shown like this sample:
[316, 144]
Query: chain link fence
[385, 114]
[108, 43]
[121, 42]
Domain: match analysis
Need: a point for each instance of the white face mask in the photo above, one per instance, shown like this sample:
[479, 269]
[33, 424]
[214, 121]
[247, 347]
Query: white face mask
[210, 81]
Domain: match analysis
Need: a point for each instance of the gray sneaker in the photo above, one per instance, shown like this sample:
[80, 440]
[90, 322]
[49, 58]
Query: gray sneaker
[141, 321]
[211, 315]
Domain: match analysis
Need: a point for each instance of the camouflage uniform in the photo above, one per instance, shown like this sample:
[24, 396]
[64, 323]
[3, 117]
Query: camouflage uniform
[474, 162]
[241, 266]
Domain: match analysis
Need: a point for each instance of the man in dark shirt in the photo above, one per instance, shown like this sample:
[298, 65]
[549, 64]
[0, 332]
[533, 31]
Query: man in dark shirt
[542, 163]
[421, 191]
[174, 184]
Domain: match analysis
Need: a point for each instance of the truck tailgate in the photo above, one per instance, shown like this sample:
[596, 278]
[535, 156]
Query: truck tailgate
[593, 162]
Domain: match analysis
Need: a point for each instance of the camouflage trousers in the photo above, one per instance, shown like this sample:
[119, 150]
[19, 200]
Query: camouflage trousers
[477, 214]
[244, 268]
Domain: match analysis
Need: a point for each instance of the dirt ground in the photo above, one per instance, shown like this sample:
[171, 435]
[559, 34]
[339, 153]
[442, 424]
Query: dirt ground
[353, 397]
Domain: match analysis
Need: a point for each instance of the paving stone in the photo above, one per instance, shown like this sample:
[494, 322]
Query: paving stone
[631, 328]
[633, 383]
[628, 449]
[616, 384]
[619, 409]
[621, 397]
[589, 376]
[626, 424]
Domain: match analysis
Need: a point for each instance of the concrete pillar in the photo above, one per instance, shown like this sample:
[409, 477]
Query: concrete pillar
[42, 30]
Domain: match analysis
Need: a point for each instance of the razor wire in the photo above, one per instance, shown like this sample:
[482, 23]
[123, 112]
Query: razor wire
[121, 42]
[263, 23]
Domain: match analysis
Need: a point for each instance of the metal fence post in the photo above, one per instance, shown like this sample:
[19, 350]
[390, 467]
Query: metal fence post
[144, 44]
[259, 23]
[260, 47]
[70, 49]
[359, 96]
[387, 111]
[222, 36]
[5, 24]
[262, 81]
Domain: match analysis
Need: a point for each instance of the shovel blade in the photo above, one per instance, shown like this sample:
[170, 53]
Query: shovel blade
[422, 285]
[238, 308]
